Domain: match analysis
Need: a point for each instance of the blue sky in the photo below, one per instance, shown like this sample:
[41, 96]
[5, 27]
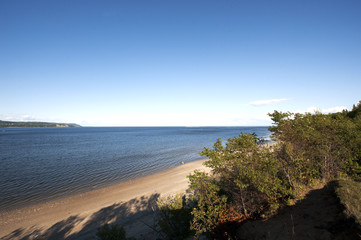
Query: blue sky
[177, 63]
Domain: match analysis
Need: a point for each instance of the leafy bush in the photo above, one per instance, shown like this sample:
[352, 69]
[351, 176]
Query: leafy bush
[209, 203]
[228, 222]
[249, 174]
[318, 146]
[174, 217]
[112, 233]
[248, 180]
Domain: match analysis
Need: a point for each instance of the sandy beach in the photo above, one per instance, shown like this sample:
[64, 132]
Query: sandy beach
[129, 204]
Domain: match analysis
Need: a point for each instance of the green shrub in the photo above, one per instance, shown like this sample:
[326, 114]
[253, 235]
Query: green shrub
[209, 203]
[249, 180]
[249, 174]
[175, 217]
[318, 146]
[112, 233]
[246, 180]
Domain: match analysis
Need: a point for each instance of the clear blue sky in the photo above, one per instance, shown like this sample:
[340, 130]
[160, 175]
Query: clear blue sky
[177, 63]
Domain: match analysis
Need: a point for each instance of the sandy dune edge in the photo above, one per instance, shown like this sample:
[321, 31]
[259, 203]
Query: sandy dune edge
[77, 217]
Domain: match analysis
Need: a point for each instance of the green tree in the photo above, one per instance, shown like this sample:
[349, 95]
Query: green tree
[210, 203]
[317, 146]
[249, 174]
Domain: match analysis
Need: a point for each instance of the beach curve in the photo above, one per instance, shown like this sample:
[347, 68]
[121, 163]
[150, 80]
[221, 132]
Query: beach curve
[78, 217]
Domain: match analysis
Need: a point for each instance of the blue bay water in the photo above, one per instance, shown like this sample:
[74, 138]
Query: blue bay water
[43, 164]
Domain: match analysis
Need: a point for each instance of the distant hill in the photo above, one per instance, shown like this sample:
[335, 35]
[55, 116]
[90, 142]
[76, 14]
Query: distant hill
[7, 124]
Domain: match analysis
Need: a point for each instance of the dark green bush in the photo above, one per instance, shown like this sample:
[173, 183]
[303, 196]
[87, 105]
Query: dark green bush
[251, 175]
[318, 146]
[175, 217]
[210, 203]
[248, 179]
[112, 233]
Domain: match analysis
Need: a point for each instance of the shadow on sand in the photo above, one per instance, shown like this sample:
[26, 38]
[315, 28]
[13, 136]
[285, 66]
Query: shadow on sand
[318, 216]
[136, 215]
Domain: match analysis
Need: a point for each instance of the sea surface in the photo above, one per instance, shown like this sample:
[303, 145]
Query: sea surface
[43, 164]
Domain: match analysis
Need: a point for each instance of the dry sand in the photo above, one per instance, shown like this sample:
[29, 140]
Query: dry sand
[129, 204]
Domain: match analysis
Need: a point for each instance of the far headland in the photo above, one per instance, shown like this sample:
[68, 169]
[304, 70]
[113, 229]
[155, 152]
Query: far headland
[8, 124]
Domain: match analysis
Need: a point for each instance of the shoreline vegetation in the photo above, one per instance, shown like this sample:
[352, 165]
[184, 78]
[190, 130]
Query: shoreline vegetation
[293, 189]
[304, 186]
[10, 124]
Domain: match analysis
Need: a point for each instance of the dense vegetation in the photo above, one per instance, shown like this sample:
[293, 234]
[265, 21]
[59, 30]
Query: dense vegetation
[113, 232]
[251, 181]
[7, 124]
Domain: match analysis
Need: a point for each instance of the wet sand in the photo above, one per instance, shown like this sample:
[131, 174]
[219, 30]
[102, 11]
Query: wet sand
[78, 217]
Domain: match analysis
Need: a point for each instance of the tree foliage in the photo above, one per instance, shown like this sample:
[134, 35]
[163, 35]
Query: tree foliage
[174, 217]
[318, 146]
[210, 202]
[113, 232]
[249, 179]
[246, 179]
[248, 173]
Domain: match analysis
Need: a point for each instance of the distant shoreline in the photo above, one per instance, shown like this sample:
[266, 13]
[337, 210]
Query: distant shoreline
[10, 124]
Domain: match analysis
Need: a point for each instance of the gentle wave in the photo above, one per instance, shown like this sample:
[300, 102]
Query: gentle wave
[43, 164]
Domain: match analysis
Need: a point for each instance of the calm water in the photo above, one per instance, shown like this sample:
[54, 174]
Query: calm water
[42, 164]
